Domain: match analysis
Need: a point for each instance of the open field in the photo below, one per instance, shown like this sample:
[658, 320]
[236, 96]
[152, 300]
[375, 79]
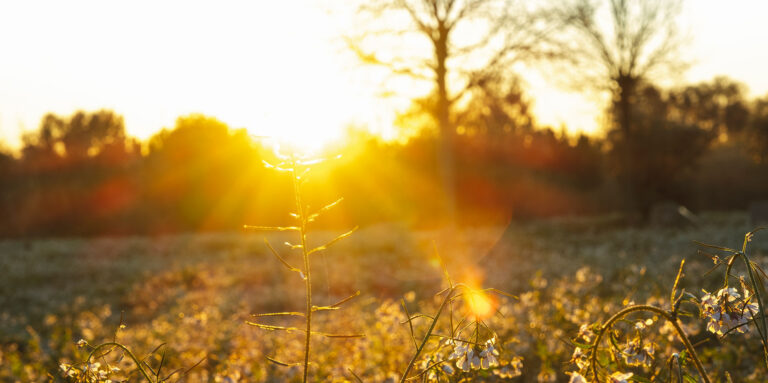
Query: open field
[322, 191]
[193, 293]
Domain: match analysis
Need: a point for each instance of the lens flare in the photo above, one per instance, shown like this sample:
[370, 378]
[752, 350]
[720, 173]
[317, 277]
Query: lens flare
[480, 304]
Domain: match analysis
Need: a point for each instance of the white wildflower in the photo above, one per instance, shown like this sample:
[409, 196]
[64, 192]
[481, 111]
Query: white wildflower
[469, 357]
[620, 377]
[727, 311]
[489, 354]
[585, 333]
[576, 378]
[637, 355]
[580, 357]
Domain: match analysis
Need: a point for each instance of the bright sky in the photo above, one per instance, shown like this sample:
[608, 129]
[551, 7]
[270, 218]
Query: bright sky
[277, 67]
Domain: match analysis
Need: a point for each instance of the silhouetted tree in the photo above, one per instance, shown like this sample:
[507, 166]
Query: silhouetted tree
[424, 45]
[78, 137]
[41, 148]
[7, 163]
[508, 166]
[718, 106]
[665, 147]
[86, 134]
[758, 130]
[76, 174]
[198, 175]
[616, 45]
[496, 107]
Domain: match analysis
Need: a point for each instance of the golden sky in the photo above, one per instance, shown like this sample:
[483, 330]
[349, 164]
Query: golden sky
[277, 68]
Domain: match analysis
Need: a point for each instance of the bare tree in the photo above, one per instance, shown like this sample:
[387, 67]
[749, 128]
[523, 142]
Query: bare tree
[757, 130]
[619, 45]
[453, 45]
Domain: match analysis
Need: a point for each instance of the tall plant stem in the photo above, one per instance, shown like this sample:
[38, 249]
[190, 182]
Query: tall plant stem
[653, 309]
[307, 273]
[762, 330]
[424, 341]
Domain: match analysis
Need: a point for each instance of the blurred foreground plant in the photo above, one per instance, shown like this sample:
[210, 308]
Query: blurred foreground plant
[97, 367]
[472, 341]
[298, 168]
[727, 311]
[637, 351]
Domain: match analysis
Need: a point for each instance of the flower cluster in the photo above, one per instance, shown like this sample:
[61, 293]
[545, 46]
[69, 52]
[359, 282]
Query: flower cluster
[469, 357]
[580, 358]
[586, 334]
[92, 371]
[636, 354]
[726, 311]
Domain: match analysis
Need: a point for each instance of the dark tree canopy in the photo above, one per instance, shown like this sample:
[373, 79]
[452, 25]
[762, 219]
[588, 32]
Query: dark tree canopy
[497, 106]
[78, 138]
[453, 45]
[718, 106]
[638, 43]
[666, 148]
[758, 130]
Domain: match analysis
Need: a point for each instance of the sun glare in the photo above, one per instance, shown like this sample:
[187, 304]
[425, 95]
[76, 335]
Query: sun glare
[248, 68]
[305, 132]
[480, 304]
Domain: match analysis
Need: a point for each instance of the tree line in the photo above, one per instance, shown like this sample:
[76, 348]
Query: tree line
[618, 48]
[701, 145]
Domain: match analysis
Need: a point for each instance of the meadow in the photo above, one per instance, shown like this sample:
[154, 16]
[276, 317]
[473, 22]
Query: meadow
[182, 301]
[170, 217]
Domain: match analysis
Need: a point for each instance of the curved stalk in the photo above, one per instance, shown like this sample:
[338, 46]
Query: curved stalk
[653, 309]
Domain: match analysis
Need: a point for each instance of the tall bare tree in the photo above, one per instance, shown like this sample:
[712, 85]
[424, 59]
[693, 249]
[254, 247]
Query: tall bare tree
[615, 45]
[453, 45]
[757, 130]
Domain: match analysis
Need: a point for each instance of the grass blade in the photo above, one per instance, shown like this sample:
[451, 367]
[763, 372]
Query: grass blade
[270, 228]
[331, 242]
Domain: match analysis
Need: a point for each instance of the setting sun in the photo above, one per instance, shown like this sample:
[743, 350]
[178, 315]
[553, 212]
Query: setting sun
[250, 65]
[240, 62]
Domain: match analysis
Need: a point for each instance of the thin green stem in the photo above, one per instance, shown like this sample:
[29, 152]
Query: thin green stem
[127, 351]
[753, 280]
[653, 309]
[762, 330]
[424, 341]
[307, 272]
